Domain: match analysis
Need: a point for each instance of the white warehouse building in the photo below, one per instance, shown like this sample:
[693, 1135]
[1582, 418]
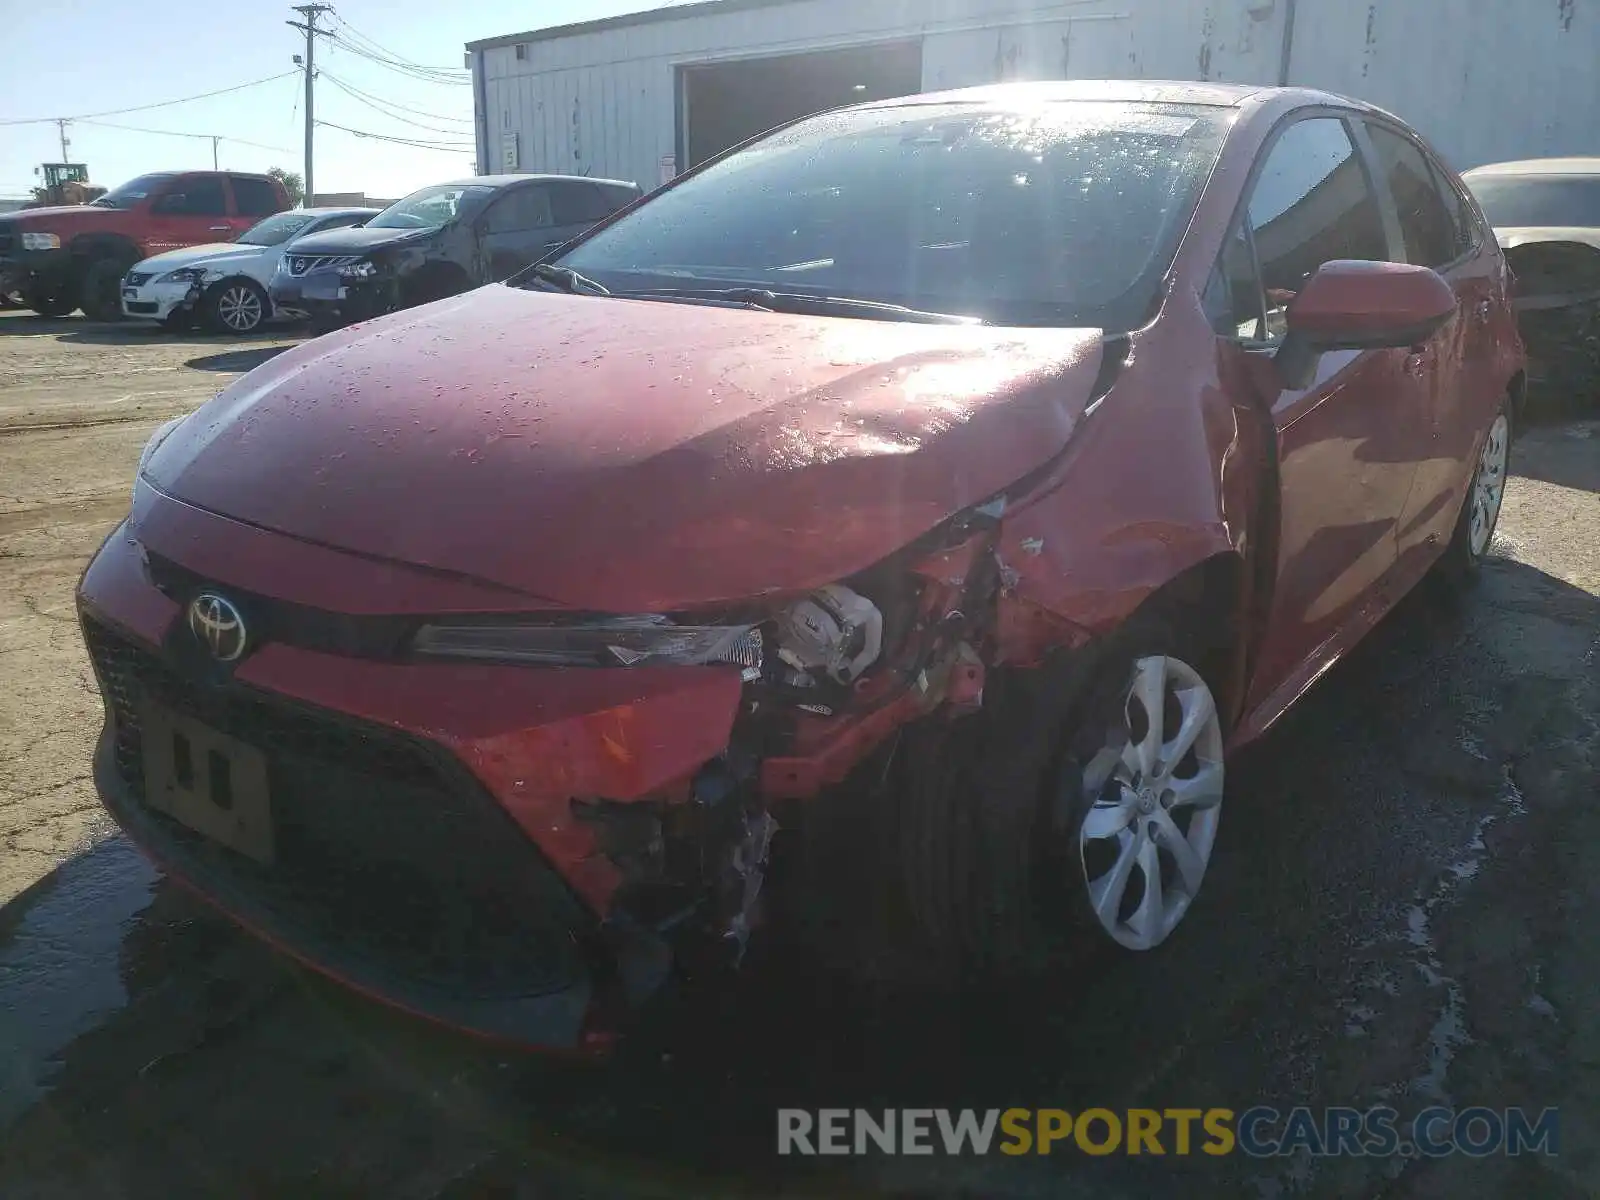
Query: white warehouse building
[646, 95]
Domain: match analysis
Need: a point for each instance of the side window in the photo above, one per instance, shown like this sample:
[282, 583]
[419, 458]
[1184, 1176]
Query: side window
[617, 196]
[1468, 231]
[525, 208]
[1233, 298]
[254, 197]
[339, 221]
[1425, 222]
[1312, 203]
[196, 196]
[578, 203]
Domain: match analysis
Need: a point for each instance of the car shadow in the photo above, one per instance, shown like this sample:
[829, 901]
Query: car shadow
[234, 361]
[1564, 453]
[219, 1068]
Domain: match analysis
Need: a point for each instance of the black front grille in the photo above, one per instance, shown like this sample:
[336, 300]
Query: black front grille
[382, 844]
[141, 307]
[138, 278]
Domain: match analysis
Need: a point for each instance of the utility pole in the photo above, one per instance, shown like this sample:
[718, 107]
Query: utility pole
[214, 141]
[310, 12]
[61, 128]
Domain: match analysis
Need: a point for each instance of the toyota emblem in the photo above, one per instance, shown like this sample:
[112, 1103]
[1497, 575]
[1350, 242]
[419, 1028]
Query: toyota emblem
[218, 626]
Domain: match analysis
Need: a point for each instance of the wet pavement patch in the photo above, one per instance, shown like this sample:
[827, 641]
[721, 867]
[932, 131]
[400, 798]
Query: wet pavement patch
[60, 945]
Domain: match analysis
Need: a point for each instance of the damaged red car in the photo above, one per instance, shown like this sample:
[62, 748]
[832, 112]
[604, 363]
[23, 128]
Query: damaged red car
[1023, 451]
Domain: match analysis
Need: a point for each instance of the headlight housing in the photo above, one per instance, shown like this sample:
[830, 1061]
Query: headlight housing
[41, 241]
[628, 641]
[360, 269]
[154, 444]
[191, 275]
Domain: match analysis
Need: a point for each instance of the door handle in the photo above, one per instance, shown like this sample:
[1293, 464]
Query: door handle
[220, 229]
[1485, 310]
[1416, 364]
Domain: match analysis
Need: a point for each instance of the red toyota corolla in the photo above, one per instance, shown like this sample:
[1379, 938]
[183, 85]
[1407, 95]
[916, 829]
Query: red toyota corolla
[1008, 455]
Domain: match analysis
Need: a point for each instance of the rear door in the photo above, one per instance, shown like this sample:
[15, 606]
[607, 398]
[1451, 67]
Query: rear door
[191, 210]
[1345, 469]
[516, 228]
[576, 206]
[253, 198]
[1457, 363]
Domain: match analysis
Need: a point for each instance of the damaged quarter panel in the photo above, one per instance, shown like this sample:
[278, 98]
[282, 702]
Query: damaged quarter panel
[635, 456]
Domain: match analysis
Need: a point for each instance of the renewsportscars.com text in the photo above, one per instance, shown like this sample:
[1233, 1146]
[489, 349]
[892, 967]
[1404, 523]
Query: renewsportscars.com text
[1260, 1132]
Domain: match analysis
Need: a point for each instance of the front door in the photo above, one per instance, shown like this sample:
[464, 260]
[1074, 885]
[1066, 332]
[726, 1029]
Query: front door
[1344, 443]
[1457, 361]
[516, 229]
[190, 211]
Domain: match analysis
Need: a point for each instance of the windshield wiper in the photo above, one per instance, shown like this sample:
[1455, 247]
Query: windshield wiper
[807, 304]
[568, 280]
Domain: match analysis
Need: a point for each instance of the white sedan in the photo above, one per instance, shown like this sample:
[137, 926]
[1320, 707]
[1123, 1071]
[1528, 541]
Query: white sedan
[224, 284]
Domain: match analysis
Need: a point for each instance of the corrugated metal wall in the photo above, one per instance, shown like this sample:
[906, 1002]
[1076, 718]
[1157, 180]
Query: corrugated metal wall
[1485, 79]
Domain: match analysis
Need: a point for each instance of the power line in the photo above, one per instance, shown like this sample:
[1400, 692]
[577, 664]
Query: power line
[117, 112]
[393, 116]
[379, 48]
[410, 70]
[456, 147]
[350, 87]
[224, 137]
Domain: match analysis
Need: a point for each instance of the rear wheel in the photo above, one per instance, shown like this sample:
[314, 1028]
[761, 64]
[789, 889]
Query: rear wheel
[236, 306]
[102, 289]
[1480, 511]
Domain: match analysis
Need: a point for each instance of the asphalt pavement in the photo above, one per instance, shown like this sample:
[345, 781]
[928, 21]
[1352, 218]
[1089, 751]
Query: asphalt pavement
[1400, 910]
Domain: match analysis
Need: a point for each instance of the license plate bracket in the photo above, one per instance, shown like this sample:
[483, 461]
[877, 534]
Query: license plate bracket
[211, 782]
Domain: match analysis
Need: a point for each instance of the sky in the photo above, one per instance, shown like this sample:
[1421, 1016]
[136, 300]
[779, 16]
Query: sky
[93, 56]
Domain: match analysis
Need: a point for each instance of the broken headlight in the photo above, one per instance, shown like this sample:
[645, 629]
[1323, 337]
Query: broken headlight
[649, 640]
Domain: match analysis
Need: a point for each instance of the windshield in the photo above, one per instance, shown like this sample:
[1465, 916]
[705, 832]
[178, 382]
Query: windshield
[433, 206]
[1063, 214]
[1513, 201]
[131, 192]
[275, 230]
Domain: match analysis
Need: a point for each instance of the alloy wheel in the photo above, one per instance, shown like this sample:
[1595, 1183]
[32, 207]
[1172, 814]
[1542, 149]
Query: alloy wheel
[239, 308]
[1489, 485]
[1156, 798]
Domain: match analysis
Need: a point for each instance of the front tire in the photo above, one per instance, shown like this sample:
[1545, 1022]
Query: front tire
[236, 306]
[102, 289]
[1080, 808]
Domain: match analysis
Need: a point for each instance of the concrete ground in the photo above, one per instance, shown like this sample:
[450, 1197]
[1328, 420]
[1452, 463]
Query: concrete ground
[1400, 910]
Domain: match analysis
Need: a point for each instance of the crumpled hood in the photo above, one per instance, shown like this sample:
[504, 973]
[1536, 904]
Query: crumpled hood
[196, 256]
[1512, 236]
[356, 240]
[624, 455]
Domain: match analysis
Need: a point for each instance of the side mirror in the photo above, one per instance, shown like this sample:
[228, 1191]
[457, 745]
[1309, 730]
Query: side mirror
[1355, 305]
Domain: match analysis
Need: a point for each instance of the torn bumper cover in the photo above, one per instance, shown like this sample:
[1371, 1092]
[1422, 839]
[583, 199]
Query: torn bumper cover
[1558, 313]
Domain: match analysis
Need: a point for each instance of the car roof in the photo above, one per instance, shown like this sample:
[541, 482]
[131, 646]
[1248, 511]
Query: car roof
[507, 180]
[1537, 166]
[1133, 91]
[339, 211]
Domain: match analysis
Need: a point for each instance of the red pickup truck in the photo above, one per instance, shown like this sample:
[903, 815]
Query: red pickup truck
[75, 256]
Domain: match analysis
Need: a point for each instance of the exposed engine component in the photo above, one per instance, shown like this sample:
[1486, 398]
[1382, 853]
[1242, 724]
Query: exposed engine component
[745, 872]
[834, 632]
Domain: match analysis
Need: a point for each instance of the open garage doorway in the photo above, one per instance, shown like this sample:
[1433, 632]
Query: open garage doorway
[722, 104]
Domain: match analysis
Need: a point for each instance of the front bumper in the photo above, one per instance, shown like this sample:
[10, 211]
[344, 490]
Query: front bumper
[158, 301]
[329, 294]
[50, 269]
[429, 854]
